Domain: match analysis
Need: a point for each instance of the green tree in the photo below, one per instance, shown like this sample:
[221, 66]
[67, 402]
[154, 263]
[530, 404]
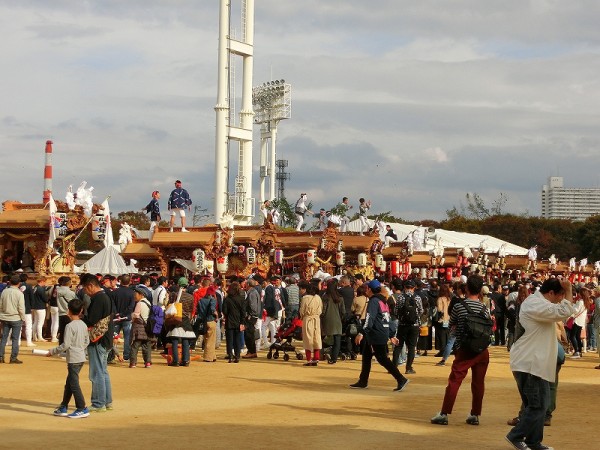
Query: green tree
[136, 219]
[287, 218]
[588, 237]
[476, 207]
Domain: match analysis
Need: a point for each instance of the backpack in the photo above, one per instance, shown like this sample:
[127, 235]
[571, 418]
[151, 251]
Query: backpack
[156, 319]
[477, 329]
[408, 312]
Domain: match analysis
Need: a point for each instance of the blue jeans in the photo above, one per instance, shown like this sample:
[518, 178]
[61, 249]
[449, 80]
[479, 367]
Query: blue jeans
[218, 334]
[535, 394]
[591, 336]
[449, 346]
[101, 388]
[126, 327]
[15, 326]
[185, 350]
[292, 310]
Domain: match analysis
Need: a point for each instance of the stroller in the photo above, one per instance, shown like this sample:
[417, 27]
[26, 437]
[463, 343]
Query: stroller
[350, 326]
[289, 330]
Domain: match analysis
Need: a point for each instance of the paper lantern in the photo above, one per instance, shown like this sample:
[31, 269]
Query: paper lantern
[222, 264]
[241, 249]
[250, 255]
[310, 256]
[378, 259]
[382, 266]
[406, 269]
[278, 257]
[362, 259]
[99, 227]
[395, 268]
[323, 243]
[340, 245]
[198, 259]
[423, 273]
[234, 249]
[340, 258]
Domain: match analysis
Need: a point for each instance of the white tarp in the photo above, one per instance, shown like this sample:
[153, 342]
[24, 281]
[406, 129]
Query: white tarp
[107, 261]
[449, 239]
[187, 264]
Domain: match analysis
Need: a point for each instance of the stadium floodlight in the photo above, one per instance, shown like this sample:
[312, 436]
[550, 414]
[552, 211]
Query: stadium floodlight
[272, 101]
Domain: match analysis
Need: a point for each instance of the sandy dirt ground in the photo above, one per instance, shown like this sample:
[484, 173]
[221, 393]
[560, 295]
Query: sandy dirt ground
[264, 403]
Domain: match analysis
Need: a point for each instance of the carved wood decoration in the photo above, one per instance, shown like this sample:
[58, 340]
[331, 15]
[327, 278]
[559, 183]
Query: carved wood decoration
[220, 245]
[38, 250]
[367, 271]
[163, 262]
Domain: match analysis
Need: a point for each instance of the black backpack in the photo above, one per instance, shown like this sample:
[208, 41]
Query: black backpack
[477, 329]
[408, 312]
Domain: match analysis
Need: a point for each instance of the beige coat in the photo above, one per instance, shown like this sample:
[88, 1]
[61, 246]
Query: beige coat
[442, 307]
[359, 306]
[311, 308]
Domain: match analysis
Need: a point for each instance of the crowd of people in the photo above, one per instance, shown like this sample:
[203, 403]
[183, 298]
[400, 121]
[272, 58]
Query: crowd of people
[396, 321]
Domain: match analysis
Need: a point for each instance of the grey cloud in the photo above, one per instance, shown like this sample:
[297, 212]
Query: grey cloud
[64, 31]
[506, 92]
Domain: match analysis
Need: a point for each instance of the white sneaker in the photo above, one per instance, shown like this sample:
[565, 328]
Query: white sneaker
[31, 344]
[576, 356]
[183, 230]
[170, 230]
[54, 340]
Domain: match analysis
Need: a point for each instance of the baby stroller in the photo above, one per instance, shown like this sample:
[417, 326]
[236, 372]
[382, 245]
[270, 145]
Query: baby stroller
[289, 330]
[350, 326]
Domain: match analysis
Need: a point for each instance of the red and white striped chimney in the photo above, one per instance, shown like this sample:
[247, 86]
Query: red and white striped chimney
[48, 172]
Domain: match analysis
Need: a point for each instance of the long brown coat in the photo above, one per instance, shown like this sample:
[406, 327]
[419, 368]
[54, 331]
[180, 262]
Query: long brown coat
[311, 308]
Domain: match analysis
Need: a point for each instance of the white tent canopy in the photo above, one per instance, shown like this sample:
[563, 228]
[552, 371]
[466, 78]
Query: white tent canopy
[187, 264]
[449, 239]
[107, 261]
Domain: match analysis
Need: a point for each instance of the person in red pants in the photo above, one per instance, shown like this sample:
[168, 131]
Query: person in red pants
[465, 359]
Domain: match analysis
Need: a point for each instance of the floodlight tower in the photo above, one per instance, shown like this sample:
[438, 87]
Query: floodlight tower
[272, 102]
[241, 203]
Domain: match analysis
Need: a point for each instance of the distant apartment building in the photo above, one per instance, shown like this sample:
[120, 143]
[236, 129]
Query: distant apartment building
[559, 202]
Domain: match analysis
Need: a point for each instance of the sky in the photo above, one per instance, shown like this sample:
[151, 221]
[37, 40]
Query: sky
[408, 104]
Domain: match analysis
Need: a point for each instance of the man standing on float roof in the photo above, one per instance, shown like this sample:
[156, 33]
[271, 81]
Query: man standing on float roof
[179, 200]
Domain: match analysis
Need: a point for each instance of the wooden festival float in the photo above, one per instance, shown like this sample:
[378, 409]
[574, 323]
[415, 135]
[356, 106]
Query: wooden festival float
[269, 249]
[266, 249]
[25, 231]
